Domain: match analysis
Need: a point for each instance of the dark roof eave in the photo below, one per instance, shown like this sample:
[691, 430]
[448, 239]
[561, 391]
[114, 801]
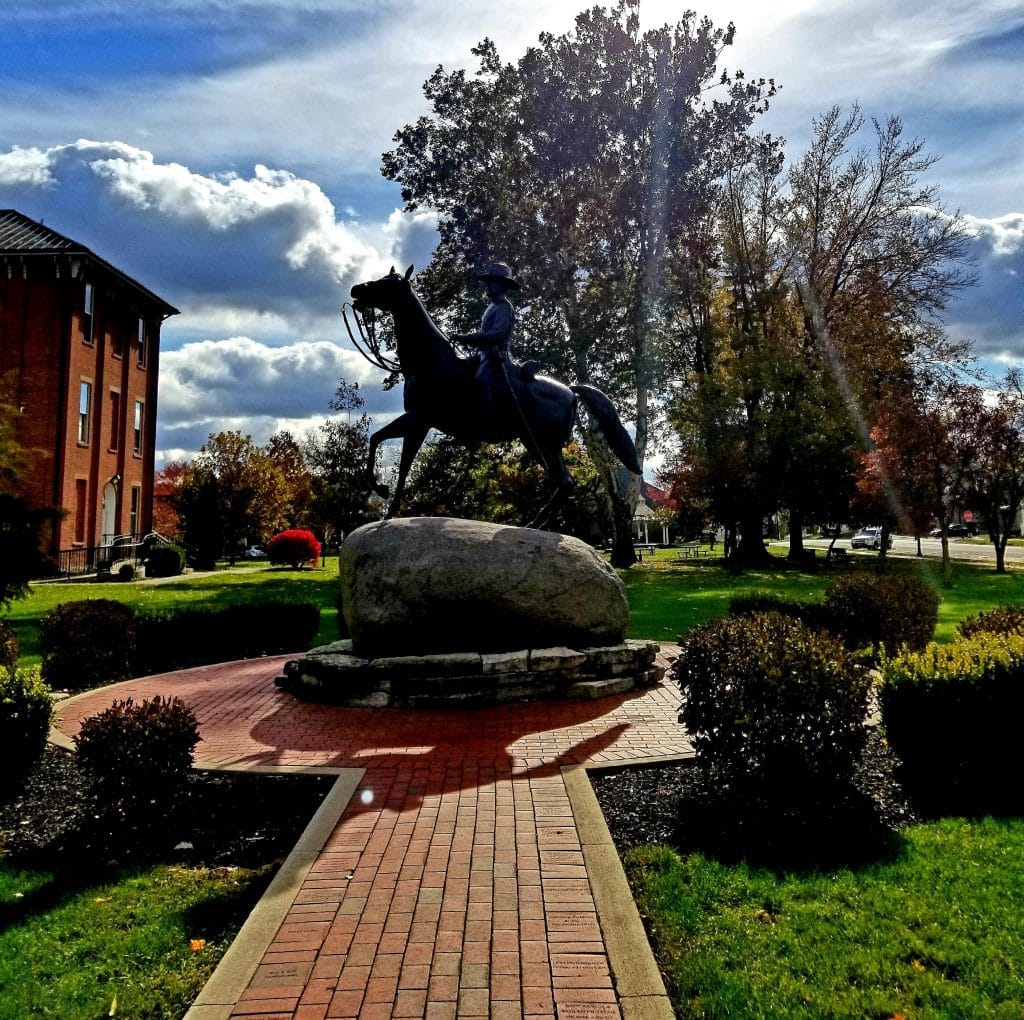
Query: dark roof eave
[166, 309]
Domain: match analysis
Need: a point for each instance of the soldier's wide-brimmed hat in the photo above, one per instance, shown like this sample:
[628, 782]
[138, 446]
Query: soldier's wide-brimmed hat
[501, 272]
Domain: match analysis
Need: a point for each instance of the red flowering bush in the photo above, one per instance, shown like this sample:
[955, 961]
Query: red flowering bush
[295, 547]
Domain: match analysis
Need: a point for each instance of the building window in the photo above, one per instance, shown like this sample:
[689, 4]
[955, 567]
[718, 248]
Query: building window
[140, 414]
[133, 517]
[115, 420]
[84, 411]
[143, 344]
[87, 313]
[117, 341]
[81, 498]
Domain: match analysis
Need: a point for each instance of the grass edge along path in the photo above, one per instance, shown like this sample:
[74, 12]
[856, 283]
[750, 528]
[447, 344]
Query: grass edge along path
[936, 932]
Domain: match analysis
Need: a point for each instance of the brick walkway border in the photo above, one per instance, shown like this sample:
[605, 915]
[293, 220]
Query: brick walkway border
[459, 867]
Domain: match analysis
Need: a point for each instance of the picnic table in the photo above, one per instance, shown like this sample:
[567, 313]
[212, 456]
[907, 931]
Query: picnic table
[688, 550]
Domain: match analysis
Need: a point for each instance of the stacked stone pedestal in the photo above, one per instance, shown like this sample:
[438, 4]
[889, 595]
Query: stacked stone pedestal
[452, 612]
[333, 674]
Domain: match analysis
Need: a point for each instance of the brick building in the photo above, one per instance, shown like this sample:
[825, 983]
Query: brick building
[80, 341]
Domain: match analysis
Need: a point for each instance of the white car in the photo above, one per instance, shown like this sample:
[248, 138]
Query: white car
[869, 538]
[254, 552]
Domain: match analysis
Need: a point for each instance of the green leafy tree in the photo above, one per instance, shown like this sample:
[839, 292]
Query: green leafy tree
[588, 165]
[197, 504]
[336, 454]
[500, 483]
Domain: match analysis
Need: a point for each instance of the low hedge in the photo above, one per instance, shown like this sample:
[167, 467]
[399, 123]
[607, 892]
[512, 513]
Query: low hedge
[196, 637]
[94, 642]
[952, 714]
[811, 613]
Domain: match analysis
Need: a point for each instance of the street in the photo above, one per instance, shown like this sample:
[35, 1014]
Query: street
[959, 549]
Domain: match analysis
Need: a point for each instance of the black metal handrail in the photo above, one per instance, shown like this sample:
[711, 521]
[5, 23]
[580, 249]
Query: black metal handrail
[100, 559]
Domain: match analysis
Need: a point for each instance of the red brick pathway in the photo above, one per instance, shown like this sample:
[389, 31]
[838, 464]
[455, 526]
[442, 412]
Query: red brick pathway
[454, 883]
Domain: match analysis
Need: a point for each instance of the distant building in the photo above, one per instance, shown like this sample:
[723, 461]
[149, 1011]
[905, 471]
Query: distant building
[81, 340]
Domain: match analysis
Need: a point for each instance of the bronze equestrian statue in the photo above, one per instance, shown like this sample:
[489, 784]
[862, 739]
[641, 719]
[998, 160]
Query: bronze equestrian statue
[485, 398]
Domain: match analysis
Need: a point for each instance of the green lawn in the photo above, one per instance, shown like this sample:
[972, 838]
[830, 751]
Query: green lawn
[668, 596]
[141, 945]
[936, 933]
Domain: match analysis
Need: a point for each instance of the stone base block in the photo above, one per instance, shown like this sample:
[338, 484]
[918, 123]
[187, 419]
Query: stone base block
[334, 675]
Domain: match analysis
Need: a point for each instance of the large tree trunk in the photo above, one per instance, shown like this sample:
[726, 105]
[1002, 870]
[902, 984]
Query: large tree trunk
[1000, 544]
[796, 536]
[751, 550]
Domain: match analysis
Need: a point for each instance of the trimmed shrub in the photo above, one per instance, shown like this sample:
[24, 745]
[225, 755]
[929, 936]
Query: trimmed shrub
[775, 709]
[165, 561]
[883, 611]
[1001, 620]
[9, 647]
[295, 547]
[87, 644]
[25, 713]
[138, 758]
[811, 613]
[168, 641]
[952, 714]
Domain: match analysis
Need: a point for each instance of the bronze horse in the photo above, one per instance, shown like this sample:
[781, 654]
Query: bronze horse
[440, 392]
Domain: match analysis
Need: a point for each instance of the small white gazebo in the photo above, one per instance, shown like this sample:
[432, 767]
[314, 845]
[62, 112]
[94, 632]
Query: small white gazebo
[645, 523]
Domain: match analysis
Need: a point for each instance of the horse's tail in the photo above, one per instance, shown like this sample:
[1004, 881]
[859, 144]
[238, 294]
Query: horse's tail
[608, 418]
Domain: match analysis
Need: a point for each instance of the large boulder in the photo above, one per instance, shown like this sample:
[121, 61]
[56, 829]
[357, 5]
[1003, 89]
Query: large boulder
[418, 585]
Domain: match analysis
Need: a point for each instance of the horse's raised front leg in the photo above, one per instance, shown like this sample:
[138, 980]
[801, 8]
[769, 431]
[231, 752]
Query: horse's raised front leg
[397, 429]
[414, 436]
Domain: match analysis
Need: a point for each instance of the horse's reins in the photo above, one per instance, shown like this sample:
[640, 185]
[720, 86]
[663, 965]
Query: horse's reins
[522, 415]
[367, 345]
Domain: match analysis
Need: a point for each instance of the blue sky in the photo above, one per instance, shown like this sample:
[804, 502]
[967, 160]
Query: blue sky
[226, 154]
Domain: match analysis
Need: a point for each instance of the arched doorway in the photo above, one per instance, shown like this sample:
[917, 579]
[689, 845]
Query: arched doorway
[109, 511]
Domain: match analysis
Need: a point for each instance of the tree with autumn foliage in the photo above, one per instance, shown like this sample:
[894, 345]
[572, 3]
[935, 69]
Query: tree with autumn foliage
[995, 483]
[817, 295]
[925, 449]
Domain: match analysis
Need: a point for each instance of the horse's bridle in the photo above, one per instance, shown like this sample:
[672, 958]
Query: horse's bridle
[367, 345]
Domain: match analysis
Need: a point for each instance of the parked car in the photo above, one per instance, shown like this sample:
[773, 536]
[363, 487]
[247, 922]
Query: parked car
[254, 552]
[955, 531]
[869, 538]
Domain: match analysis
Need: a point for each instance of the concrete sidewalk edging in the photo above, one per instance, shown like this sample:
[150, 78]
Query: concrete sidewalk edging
[638, 983]
[238, 965]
